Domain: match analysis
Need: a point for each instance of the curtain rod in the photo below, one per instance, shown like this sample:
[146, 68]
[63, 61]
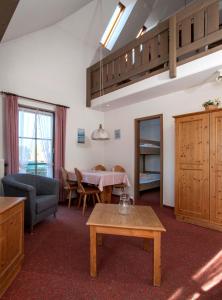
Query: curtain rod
[32, 99]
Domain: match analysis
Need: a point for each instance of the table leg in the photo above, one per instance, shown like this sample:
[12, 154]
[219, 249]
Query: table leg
[99, 239]
[93, 251]
[106, 194]
[146, 244]
[157, 259]
[102, 197]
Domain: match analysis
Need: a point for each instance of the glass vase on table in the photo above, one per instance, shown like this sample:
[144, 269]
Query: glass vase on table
[125, 204]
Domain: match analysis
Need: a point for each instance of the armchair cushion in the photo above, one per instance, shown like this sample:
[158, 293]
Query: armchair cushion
[46, 186]
[45, 202]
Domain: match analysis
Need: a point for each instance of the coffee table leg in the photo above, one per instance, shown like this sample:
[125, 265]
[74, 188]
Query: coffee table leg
[146, 244]
[92, 251]
[99, 239]
[157, 259]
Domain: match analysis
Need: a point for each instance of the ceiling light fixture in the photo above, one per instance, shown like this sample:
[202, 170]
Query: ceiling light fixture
[100, 134]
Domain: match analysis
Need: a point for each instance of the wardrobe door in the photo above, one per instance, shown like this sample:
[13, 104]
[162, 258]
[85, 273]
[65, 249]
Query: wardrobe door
[192, 166]
[216, 167]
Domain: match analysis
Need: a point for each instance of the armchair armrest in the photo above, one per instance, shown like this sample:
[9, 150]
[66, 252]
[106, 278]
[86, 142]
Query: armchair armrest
[14, 188]
[18, 185]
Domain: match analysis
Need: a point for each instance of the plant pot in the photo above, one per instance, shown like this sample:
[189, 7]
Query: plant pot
[211, 107]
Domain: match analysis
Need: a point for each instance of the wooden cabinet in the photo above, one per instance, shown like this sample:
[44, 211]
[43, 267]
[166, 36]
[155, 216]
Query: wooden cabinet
[216, 167]
[198, 178]
[11, 239]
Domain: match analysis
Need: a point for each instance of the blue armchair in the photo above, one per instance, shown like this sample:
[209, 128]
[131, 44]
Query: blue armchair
[42, 195]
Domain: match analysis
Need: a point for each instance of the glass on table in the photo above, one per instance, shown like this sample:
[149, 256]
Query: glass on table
[125, 204]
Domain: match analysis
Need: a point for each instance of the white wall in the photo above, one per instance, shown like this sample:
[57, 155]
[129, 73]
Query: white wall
[51, 65]
[122, 151]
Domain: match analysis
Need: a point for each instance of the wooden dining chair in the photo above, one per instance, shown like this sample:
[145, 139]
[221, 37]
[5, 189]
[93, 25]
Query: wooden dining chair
[99, 168]
[69, 186]
[85, 191]
[121, 186]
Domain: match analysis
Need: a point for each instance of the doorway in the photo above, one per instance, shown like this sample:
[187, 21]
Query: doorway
[148, 183]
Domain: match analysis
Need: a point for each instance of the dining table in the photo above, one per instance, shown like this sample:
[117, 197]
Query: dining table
[104, 180]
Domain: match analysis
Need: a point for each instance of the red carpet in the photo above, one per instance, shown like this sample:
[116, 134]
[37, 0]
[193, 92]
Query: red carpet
[56, 265]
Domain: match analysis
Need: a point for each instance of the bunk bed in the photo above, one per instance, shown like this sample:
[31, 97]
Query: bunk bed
[148, 179]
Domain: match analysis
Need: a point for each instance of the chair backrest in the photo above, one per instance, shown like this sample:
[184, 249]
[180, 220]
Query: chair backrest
[65, 177]
[79, 181]
[119, 168]
[25, 178]
[99, 168]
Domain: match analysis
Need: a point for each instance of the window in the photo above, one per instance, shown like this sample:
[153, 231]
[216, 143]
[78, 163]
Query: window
[141, 32]
[112, 24]
[36, 141]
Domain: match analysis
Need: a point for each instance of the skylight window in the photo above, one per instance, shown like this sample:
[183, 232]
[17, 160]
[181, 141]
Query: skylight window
[141, 32]
[110, 29]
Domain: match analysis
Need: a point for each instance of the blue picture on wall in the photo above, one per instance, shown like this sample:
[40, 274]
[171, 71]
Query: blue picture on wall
[81, 136]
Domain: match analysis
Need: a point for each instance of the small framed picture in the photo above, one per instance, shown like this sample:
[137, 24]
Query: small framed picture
[117, 134]
[81, 136]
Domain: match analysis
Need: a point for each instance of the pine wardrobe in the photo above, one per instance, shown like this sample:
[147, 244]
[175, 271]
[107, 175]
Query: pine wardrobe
[198, 178]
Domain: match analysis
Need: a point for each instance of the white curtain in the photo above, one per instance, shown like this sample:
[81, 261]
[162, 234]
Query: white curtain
[26, 140]
[45, 140]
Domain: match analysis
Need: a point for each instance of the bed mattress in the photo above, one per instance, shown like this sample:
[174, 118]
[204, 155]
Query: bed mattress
[148, 178]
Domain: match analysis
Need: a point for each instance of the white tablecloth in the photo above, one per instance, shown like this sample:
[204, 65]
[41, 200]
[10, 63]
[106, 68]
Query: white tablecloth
[102, 178]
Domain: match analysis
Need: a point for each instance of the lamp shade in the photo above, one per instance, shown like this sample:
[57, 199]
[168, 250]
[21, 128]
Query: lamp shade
[100, 134]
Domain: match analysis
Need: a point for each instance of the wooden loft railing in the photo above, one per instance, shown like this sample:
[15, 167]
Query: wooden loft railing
[191, 33]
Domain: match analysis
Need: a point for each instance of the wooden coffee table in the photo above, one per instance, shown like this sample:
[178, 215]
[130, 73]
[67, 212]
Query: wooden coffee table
[140, 222]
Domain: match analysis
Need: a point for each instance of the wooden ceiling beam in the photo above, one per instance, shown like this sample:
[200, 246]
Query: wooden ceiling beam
[7, 9]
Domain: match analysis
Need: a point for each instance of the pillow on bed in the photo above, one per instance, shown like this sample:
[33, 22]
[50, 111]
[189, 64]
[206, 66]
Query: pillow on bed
[143, 175]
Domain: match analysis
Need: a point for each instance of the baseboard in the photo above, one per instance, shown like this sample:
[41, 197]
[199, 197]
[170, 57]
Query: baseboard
[202, 223]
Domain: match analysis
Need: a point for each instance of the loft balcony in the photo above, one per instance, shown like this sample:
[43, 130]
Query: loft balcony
[190, 34]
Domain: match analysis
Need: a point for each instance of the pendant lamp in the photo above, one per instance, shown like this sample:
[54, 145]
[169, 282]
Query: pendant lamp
[100, 134]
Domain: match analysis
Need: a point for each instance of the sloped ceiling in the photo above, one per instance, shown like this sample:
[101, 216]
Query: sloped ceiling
[33, 15]
[148, 13]
[7, 9]
[162, 9]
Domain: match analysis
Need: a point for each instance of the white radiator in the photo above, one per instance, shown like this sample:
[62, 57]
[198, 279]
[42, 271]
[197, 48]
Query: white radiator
[2, 172]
